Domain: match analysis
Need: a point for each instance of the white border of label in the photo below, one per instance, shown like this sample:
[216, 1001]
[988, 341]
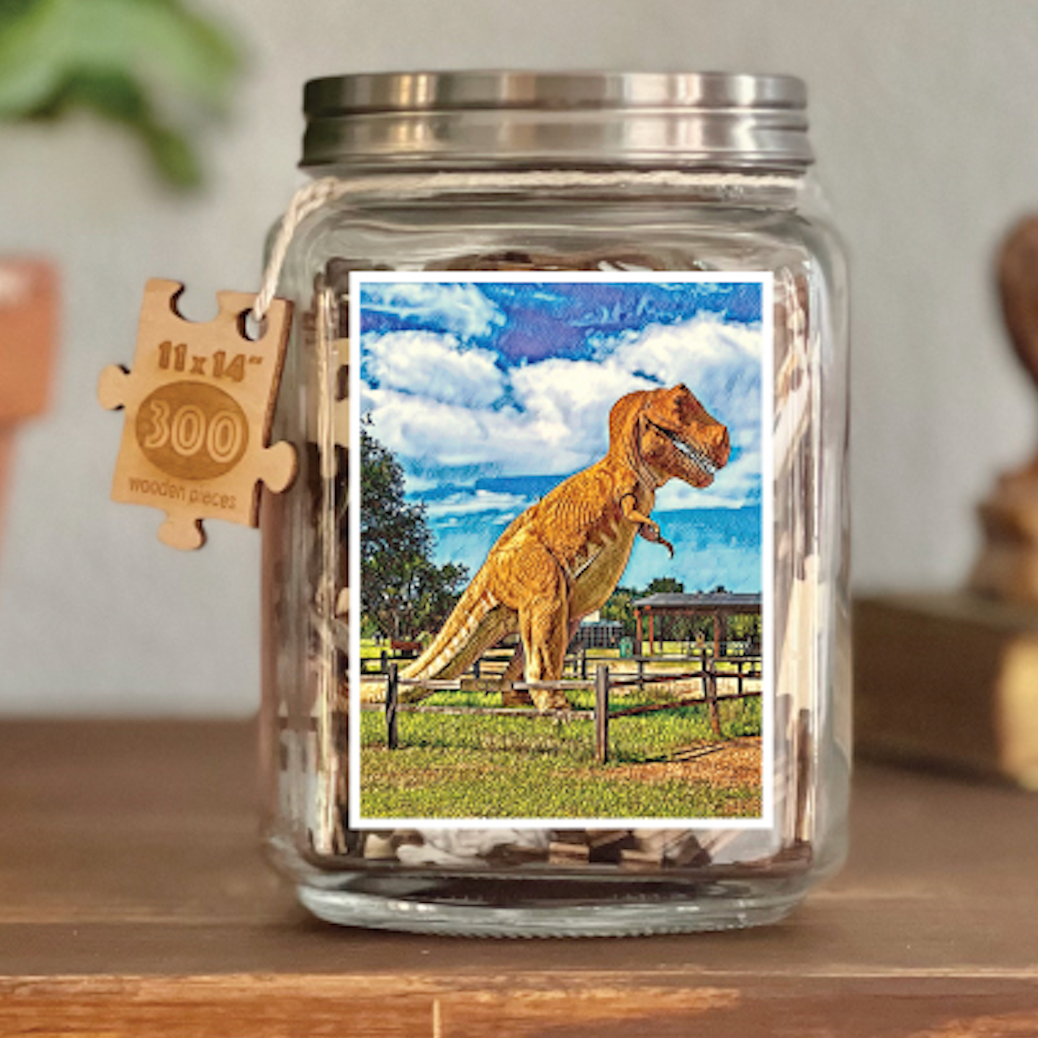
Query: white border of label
[767, 817]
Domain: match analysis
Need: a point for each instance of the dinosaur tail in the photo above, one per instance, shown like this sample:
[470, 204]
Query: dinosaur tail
[477, 622]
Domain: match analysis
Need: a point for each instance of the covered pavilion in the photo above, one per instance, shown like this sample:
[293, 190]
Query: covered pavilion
[716, 604]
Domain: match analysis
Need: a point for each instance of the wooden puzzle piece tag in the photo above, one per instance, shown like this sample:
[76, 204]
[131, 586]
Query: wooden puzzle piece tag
[199, 404]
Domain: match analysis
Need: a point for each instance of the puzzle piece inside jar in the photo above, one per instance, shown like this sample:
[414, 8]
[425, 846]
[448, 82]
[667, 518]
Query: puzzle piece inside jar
[199, 404]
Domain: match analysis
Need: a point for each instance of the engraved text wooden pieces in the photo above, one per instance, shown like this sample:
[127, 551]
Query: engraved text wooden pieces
[199, 403]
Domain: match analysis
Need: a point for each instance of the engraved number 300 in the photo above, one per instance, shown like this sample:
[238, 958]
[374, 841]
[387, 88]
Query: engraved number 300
[189, 431]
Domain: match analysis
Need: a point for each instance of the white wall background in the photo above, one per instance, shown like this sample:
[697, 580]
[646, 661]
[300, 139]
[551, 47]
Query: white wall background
[925, 121]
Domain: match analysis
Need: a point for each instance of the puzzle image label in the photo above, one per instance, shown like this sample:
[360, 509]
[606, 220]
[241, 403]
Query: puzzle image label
[561, 565]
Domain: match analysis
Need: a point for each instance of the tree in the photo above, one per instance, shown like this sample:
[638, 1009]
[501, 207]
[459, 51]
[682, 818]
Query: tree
[680, 628]
[618, 607]
[665, 586]
[745, 627]
[403, 592]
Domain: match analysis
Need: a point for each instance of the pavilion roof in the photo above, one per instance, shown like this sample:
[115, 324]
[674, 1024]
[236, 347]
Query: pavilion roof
[700, 602]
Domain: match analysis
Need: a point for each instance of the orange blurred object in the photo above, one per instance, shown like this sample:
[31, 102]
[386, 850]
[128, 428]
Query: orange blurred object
[28, 336]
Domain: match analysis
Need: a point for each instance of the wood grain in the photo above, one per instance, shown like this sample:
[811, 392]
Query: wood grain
[134, 901]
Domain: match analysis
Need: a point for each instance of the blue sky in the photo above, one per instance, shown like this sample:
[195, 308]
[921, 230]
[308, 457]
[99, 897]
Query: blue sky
[491, 393]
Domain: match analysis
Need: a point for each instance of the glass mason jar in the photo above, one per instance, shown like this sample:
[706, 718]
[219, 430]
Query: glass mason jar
[559, 322]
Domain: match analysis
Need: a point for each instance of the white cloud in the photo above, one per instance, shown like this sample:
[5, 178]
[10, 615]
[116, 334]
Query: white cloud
[735, 485]
[455, 307]
[434, 366]
[419, 484]
[442, 434]
[476, 501]
[719, 362]
[572, 400]
[551, 417]
[675, 352]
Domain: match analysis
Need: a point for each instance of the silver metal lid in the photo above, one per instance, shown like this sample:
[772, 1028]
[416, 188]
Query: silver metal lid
[494, 120]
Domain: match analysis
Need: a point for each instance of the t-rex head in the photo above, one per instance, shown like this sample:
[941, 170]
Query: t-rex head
[669, 433]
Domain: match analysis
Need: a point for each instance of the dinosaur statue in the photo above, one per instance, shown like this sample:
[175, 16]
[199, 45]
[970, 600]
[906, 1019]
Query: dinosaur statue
[563, 557]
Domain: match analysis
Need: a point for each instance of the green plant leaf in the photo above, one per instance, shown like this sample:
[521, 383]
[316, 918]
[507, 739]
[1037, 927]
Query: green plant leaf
[139, 62]
[174, 157]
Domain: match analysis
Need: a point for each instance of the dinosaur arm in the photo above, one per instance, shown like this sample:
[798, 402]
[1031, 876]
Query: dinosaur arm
[628, 505]
[647, 528]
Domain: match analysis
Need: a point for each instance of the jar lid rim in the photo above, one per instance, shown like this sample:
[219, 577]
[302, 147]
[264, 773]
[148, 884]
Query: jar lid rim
[495, 119]
[507, 88]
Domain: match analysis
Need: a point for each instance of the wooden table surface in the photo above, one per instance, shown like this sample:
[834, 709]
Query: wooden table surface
[134, 901]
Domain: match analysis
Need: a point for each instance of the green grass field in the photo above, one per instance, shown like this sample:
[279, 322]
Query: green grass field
[451, 766]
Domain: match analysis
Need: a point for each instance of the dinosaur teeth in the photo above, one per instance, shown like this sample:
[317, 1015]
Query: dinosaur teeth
[693, 455]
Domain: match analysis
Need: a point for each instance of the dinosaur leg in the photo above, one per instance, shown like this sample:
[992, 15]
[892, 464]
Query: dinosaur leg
[544, 626]
[514, 672]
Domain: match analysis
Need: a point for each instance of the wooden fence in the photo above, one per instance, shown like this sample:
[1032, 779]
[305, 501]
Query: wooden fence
[577, 663]
[602, 683]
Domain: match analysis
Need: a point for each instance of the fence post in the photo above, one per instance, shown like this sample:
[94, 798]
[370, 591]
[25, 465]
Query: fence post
[641, 674]
[475, 670]
[583, 663]
[383, 665]
[601, 713]
[710, 689]
[392, 698]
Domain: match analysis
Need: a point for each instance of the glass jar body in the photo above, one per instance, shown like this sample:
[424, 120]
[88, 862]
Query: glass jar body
[460, 884]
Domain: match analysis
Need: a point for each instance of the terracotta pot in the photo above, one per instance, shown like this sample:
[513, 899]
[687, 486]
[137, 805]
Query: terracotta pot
[28, 331]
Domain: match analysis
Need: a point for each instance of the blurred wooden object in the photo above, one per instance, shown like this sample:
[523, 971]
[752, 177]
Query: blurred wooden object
[134, 901]
[1008, 564]
[948, 680]
[953, 679]
[28, 336]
